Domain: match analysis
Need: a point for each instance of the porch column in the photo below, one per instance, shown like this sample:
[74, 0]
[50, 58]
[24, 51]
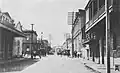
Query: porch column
[100, 49]
[1, 43]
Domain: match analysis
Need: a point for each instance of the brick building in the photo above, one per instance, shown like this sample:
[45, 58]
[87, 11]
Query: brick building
[95, 28]
[78, 27]
[28, 43]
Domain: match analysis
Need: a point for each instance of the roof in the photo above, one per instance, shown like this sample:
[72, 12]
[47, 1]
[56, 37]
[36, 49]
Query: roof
[87, 3]
[19, 26]
[30, 31]
[12, 29]
[6, 13]
[10, 26]
[46, 41]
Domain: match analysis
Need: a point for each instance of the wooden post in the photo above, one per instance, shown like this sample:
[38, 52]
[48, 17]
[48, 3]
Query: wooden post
[107, 35]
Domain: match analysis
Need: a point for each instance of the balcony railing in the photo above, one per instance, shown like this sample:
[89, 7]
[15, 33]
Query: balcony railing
[101, 12]
[97, 15]
[116, 5]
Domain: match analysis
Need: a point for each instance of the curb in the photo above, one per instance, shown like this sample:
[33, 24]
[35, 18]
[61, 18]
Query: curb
[92, 68]
[15, 60]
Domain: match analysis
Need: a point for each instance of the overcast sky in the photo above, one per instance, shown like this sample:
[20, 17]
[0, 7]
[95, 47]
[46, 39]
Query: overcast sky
[49, 16]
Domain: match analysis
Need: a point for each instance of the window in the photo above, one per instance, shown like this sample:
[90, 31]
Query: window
[90, 11]
[27, 38]
[116, 2]
[3, 18]
[0, 18]
[101, 3]
[87, 15]
[18, 42]
[7, 20]
[95, 7]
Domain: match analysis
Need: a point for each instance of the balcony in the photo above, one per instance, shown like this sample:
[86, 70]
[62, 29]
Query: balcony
[96, 17]
[100, 14]
[116, 5]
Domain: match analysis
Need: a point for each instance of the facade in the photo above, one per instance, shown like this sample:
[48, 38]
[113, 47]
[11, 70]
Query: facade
[38, 43]
[18, 42]
[79, 23]
[28, 43]
[44, 45]
[7, 34]
[67, 44]
[95, 28]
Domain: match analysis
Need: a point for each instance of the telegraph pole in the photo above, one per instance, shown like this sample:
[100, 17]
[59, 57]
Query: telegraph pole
[107, 35]
[41, 39]
[50, 39]
[72, 34]
[32, 42]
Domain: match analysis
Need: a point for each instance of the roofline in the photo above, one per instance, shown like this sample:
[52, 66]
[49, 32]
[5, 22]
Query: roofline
[7, 13]
[25, 31]
[87, 4]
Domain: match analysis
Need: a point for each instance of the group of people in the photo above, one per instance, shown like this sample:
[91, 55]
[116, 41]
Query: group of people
[77, 54]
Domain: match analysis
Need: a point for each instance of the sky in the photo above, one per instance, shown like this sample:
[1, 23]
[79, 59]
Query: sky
[49, 16]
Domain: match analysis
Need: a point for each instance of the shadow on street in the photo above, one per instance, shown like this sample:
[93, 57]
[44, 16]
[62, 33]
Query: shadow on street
[17, 66]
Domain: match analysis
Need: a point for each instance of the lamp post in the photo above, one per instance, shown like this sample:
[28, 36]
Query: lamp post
[32, 42]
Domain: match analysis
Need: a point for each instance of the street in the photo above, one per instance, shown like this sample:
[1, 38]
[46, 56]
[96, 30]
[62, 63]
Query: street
[57, 64]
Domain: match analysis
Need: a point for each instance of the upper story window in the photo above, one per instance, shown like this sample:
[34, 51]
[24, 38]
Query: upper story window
[27, 38]
[90, 11]
[87, 15]
[95, 7]
[3, 18]
[101, 3]
[116, 2]
[18, 42]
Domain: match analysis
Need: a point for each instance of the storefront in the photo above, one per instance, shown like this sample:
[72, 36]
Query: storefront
[7, 34]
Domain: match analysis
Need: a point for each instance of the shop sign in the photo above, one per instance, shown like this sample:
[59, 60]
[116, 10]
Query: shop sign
[90, 36]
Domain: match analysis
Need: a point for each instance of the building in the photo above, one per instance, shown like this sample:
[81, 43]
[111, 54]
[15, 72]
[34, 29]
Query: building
[67, 44]
[38, 43]
[18, 42]
[95, 28]
[45, 45]
[67, 41]
[7, 34]
[79, 23]
[28, 42]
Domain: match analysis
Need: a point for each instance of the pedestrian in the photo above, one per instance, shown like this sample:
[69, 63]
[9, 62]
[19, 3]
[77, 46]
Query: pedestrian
[78, 54]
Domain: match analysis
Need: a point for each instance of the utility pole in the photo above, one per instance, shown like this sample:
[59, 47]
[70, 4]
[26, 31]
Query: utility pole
[107, 35]
[32, 42]
[41, 40]
[72, 34]
[50, 37]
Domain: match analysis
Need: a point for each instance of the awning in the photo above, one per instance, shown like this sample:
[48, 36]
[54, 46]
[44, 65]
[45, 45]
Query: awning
[12, 29]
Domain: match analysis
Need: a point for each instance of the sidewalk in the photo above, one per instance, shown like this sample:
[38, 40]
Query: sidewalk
[100, 68]
[13, 60]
